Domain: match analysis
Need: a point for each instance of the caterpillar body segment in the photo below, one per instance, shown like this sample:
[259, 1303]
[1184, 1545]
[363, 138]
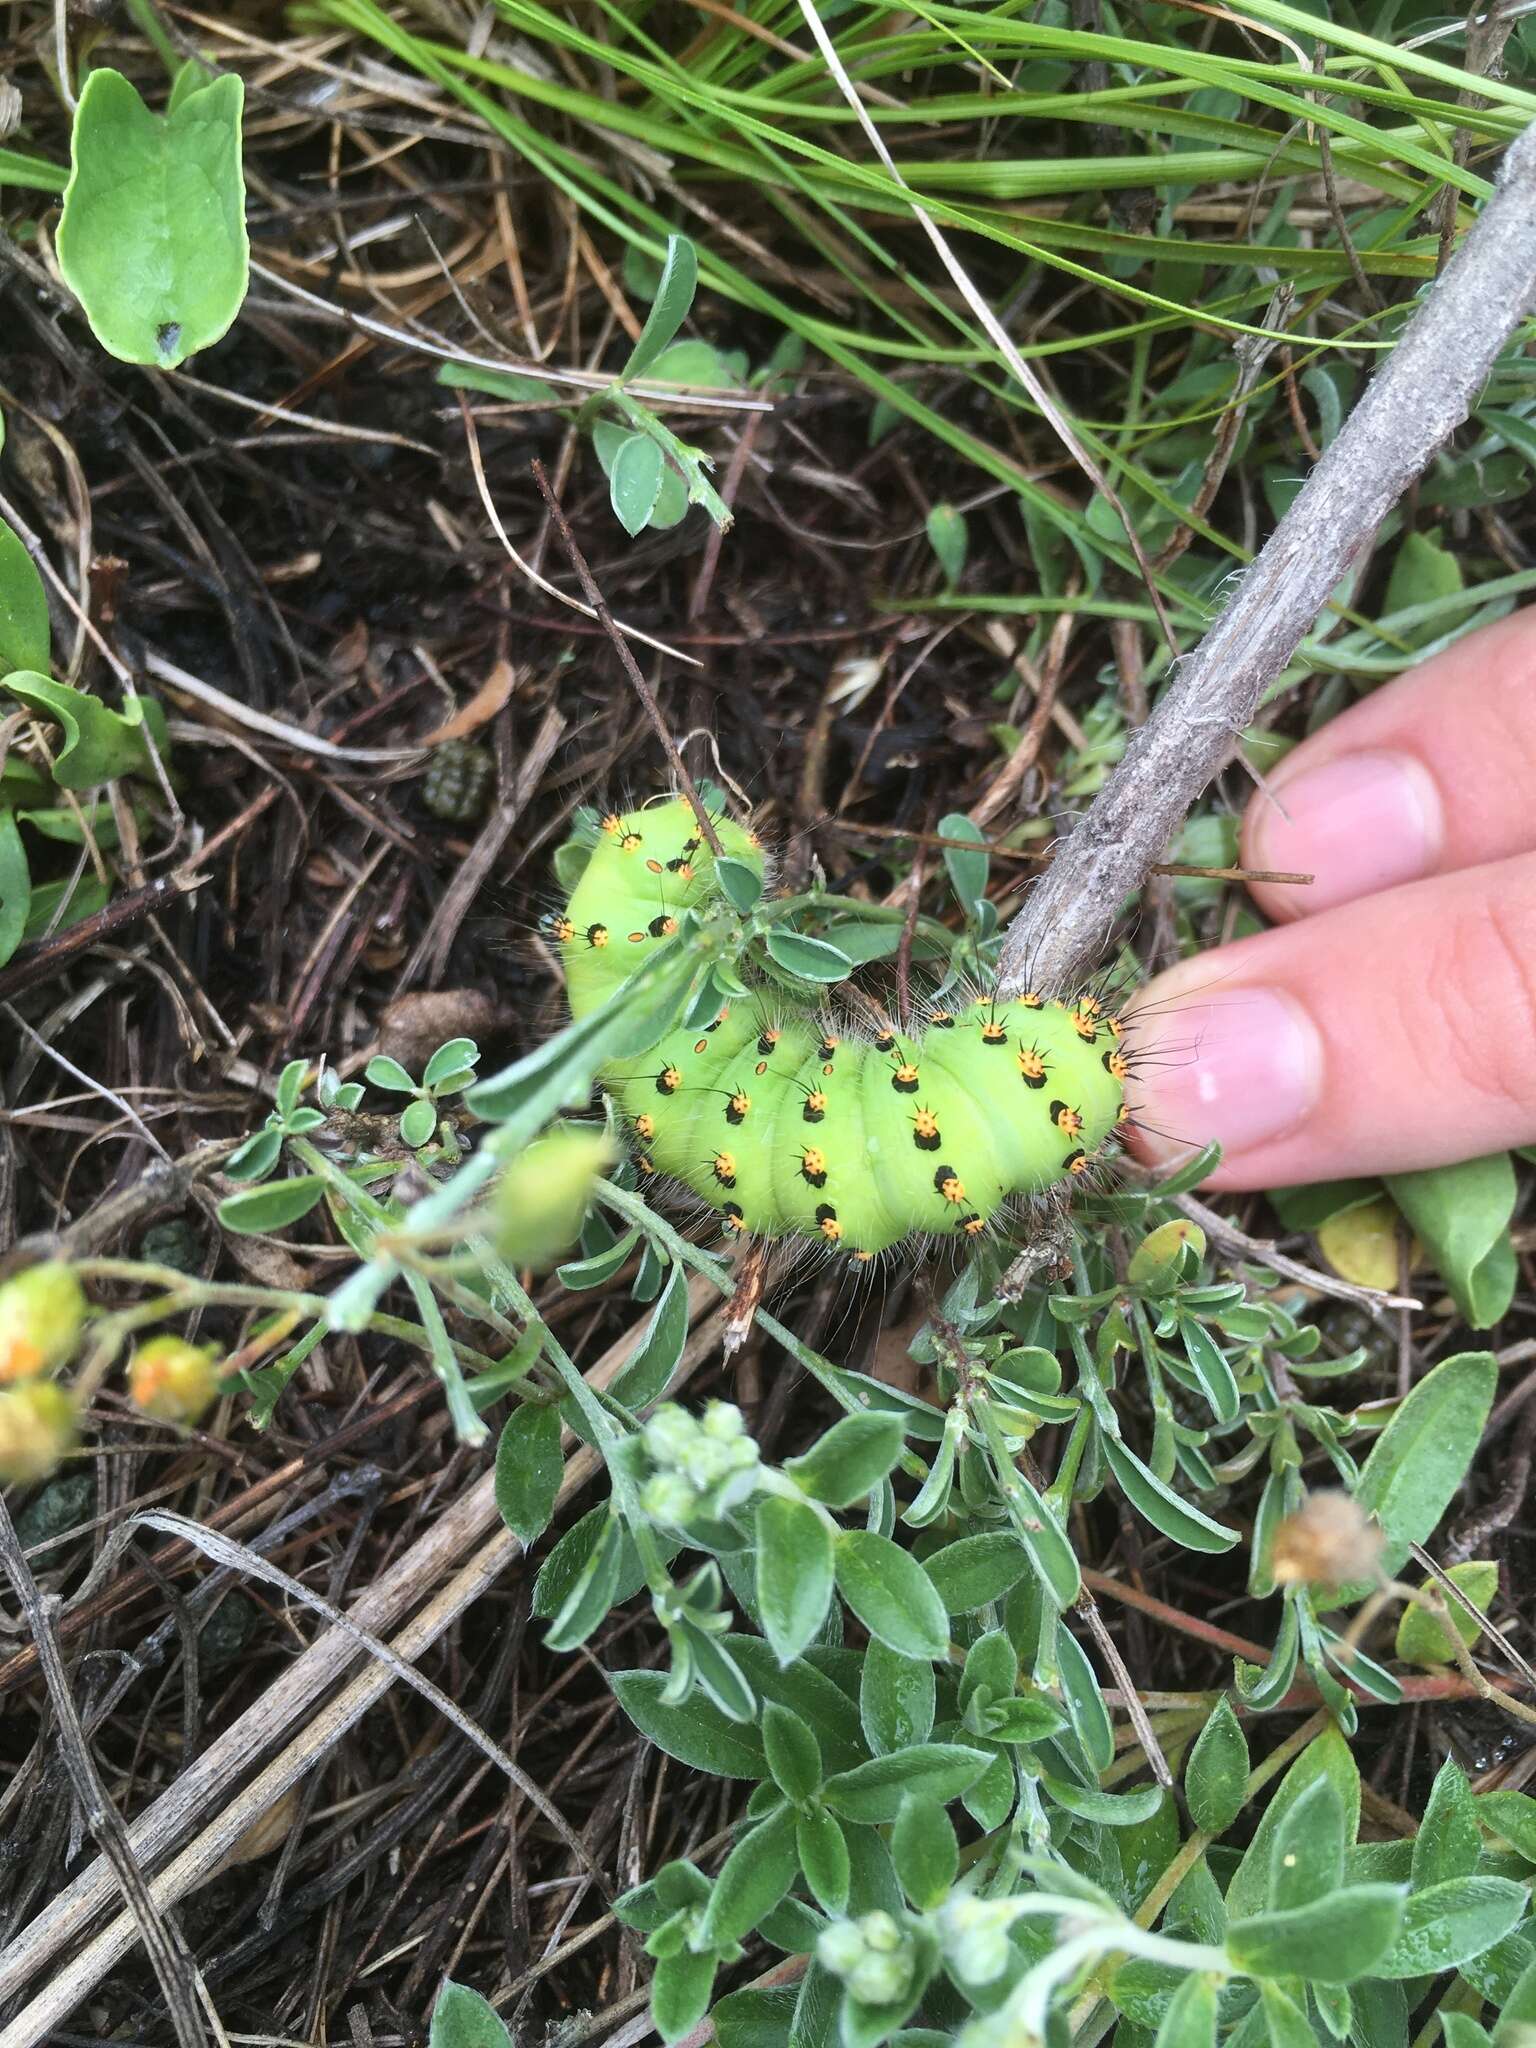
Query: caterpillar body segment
[789, 1124]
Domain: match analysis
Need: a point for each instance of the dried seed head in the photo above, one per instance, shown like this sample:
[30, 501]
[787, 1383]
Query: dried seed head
[1329, 1541]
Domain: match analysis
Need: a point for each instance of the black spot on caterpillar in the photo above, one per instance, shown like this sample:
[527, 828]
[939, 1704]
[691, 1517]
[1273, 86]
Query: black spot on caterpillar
[928, 1131]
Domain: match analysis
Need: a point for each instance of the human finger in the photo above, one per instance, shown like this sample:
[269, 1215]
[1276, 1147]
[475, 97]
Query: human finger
[1433, 773]
[1385, 1035]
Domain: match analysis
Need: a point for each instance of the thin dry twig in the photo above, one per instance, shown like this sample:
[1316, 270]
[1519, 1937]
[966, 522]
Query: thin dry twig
[173, 1966]
[628, 663]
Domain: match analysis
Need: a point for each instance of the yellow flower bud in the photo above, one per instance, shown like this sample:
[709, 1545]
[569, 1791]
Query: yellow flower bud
[543, 1195]
[37, 1427]
[173, 1380]
[41, 1311]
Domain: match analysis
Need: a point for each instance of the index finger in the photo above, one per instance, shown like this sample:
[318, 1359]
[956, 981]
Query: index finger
[1433, 773]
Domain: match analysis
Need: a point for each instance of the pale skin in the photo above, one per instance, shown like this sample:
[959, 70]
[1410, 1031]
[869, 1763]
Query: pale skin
[1388, 1022]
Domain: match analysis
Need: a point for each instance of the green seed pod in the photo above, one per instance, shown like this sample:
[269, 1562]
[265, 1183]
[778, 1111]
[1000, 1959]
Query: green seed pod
[37, 1429]
[543, 1196]
[41, 1313]
[458, 782]
[172, 1380]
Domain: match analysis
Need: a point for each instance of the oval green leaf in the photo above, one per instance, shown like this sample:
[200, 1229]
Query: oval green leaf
[152, 237]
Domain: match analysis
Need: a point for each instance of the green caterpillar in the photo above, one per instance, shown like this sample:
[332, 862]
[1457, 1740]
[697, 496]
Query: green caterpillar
[787, 1126]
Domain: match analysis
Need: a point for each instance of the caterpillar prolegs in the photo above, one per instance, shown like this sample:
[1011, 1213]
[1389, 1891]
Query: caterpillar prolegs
[794, 1125]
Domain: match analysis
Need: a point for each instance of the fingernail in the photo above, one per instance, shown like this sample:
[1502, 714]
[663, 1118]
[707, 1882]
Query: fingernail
[1242, 1066]
[1358, 824]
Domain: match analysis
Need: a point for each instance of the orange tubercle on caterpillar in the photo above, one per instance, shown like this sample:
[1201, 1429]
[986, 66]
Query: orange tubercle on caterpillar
[1068, 1121]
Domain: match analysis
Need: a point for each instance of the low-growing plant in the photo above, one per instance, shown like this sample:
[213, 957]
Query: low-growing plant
[961, 1823]
[65, 747]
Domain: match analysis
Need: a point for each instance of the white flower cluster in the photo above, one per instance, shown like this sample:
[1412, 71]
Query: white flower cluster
[974, 1933]
[873, 1956]
[702, 1464]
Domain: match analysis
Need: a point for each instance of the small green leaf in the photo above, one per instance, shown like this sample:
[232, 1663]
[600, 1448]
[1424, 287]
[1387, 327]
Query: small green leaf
[1460, 2030]
[1085, 1702]
[255, 1159]
[1452, 1922]
[1288, 2025]
[456, 1056]
[1216, 1776]
[1108, 1809]
[849, 1461]
[896, 1700]
[599, 1269]
[152, 237]
[793, 1753]
[1422, 1455]
[24, 633]
[567, 1560]
[1022, 1720]
[810, 959]
[754, 1877]
[1461, 1215]
[694, 363]
[1161, 1506]
[680, 1992]
[656, 1358]
[967, 871]
[669, 308]
[874, 1791]
[273, 1206]
[15, 887]
[1054, 1559]
[948, 537]
[1517, 2022]
[1448, 1843]
[461, 2018]
[925, 1852]
[1260, 1688]
[1190, 2021]
[592, 1595]
[1326, 1756]
[56, 906]
[696, 1733]
[529, 1469]
[1334, 1940]
[891, 1594]
[1512, 1815]
[743, 885]
[823, 1851]
[1306, 1859]
[383, 1072]
[1165, 1255]
[99, 744]
[560, 1073]
[1421, 570]
[1208, 1362]
[634, 482]
[417, 1123]
[794, 1573]
[1423, 1640]
[976, 1570]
